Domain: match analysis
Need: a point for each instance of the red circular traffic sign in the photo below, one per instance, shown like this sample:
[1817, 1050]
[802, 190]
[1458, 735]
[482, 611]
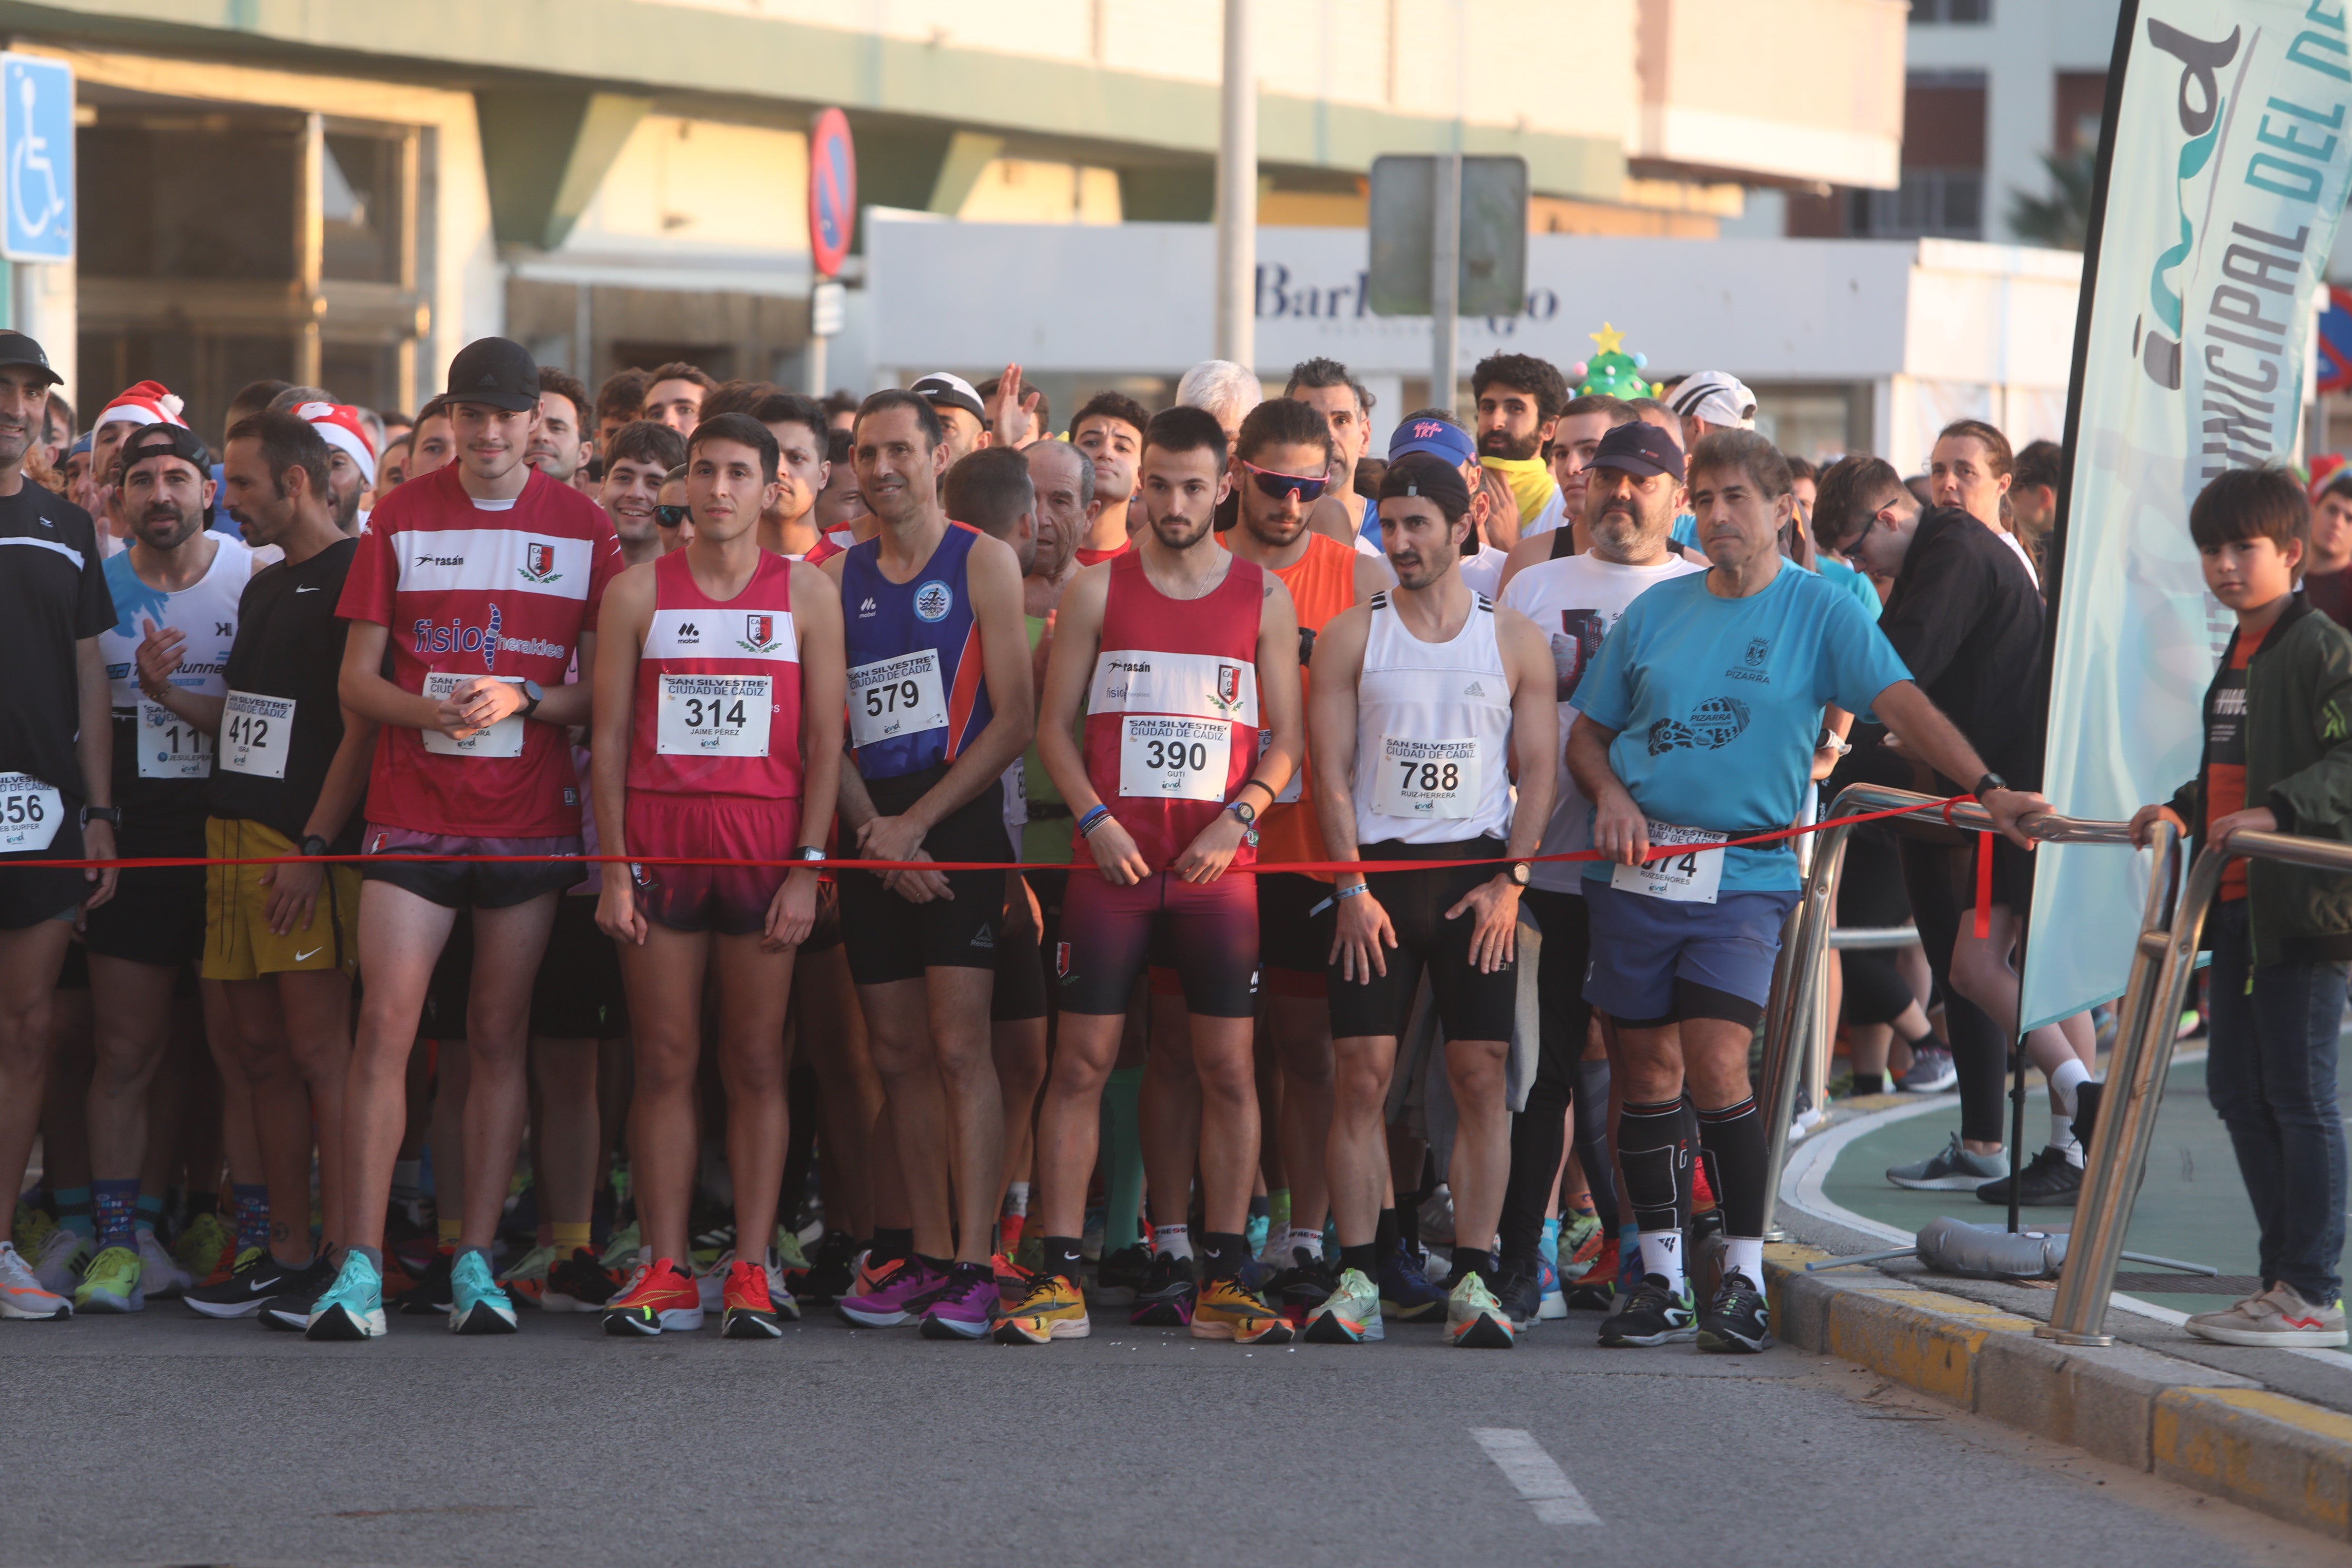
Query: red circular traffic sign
[833, 192]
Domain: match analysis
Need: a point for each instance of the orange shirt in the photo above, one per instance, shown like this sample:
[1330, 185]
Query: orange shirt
[2225, 766]
[1322, 584]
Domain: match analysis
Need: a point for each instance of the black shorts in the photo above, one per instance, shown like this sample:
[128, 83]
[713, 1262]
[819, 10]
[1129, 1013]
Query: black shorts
[1564, 1019]
[455, 885]
[156, 916]
[890, 940]
[577, 994]
[1471, 1006]
[1209, 929]
[825, 935]
[1296, 915]
[1019, 993]
[31, 894]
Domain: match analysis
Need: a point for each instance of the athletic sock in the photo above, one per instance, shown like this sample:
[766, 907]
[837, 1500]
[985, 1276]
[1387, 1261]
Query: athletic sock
[75, 1212]
[374, 1254]
[1297, 1237]
[568, 1239]
[251, 1202]
[891, 1244]
[1471, 1259]
[1277, 1211]
[1224, 1254]
[1735, 1136]
[1016, 1199]
[1747, 1256]
[1122, 1160]
[446, 1229]
[1389, 1233]
[1869, 1083]
[1649, 1146]
[1062, 1257]
[1364, 1259]
[458, 1255]
[116, 1203]
[148, 1213]
[2070, 1076]
[1175, 1240]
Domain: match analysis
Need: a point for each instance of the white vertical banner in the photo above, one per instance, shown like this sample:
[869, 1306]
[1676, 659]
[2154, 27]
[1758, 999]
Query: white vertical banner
[2226, 162]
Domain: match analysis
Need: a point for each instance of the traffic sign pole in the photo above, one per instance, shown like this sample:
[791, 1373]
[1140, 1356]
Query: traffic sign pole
[833, 225]
[1445, 280]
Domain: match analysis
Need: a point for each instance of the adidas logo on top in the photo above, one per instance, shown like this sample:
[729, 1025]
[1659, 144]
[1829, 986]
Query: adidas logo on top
[1474, 690]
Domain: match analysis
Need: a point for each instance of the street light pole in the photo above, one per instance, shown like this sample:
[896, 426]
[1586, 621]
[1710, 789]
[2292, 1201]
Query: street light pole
[1446, 276]
[1237, 194]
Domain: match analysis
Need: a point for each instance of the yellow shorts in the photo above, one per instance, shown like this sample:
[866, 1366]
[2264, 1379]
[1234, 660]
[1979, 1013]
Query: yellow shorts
[238, 942]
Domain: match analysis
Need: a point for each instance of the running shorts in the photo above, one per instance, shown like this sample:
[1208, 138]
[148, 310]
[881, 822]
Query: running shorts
[156, 916]
[890, 940]
[1471, 1006]
[1296, 915]
[1658, 961]
[457, 885]
[238, 942]
[1210, 929]
[731, 900]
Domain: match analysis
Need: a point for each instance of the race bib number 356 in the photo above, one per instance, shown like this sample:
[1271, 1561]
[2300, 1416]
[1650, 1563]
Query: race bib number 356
[503, 739]
[1692, 876]
[1174, 759]
[713, 716]
[30, 814]
[896, 697]
[256, 734]
[1427, 779]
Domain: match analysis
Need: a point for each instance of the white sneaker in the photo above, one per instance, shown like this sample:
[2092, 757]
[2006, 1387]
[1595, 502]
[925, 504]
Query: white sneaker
[2279, 1316]
[21, 1294]
[161, 1276]
[59, 1263]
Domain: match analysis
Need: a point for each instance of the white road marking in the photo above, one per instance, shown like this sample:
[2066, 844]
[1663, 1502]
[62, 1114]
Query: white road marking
[1535, 1475]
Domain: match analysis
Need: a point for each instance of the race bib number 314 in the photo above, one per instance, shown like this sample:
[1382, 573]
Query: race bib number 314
[713, 716]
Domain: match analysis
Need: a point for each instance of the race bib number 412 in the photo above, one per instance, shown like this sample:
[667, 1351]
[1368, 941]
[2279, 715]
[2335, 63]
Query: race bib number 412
[256, 734]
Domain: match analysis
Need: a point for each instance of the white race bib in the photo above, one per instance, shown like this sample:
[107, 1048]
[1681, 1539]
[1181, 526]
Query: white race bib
[1692, 876]
[896, 697]
[503, 739]
[1427, 779]
[30, 814]
[170, 747]
[256, 734]
[713, 716]
[1291, 791]
[1174, 759]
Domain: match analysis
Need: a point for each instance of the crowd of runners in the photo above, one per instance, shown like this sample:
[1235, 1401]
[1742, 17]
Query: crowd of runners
[1283, 1030]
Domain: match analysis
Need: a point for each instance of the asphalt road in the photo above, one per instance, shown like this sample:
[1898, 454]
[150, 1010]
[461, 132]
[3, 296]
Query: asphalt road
[165, 1438]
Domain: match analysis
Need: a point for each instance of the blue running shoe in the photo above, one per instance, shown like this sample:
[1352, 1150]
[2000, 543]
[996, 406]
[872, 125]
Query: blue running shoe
[1406, 1294]
[352, 1308]
[477, 1306]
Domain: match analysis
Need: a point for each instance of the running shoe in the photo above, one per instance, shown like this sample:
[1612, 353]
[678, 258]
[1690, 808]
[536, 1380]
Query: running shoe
[1055, 1309]
[432, 1291]
[1168, 1293]
[578, 1283]
[526, 1281]
[1652, 1313]
[110, 1284]
[1953, 1171]
[1011, 1280]
[787, 1245]
[1738, 1322]
[656, 1299]
[1228, 1309]
[830, 1270]
[245, 1292]
[1521, 1295]
[159, 1277]
[1579, 1246]
[2050, 1179]
[1406, 1293]
[57, 1261]
[1598, 1289]
[2278, 1317]
[298, 1293]
[749, 1305]
[352, 1308]
[712, 1239]
[22, 1296]
[1931, 1072]
[964, 1307]
[1306, 1283]
[902, 1288]
[477, 1305]
[207, 1250]
[1349, 1315]
[621, 1252]
[1031, 1254]
[1475, 1319]
[1122, 1276]
[710, 1283]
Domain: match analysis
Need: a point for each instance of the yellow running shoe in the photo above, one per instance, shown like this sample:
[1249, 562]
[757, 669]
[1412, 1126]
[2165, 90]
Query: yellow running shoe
[112, 1284]
[1054, 1309]
[1225, 1311]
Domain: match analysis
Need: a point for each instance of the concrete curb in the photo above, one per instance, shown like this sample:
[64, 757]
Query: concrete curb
[2218, 1433]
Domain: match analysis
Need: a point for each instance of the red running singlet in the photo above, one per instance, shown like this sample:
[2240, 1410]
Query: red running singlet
[1171, 720]
[718, 688]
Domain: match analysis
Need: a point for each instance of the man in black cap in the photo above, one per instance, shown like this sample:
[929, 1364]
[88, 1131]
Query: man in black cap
[56, 775]
[481, 580]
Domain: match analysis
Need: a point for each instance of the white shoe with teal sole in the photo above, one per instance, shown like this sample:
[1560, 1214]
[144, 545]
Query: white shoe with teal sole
[352, 1308]
[477, 1304]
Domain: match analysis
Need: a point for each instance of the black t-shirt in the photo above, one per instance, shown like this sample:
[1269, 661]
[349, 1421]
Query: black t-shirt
[289, 646]
[53, 593]
[1966, 617]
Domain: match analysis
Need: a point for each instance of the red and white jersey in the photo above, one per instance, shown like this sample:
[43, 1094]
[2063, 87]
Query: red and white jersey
[1172, 719]
[468, 590]
[718, 688]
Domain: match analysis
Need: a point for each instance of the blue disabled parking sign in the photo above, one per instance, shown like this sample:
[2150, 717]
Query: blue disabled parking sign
[36, 158]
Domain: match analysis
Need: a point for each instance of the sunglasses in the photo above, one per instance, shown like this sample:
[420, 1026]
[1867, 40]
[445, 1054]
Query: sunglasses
[669, 516]
[1867, 524]
[1275, 486]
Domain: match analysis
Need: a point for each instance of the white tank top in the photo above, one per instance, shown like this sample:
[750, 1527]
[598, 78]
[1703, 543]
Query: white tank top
[1433, 733]
[205, 613]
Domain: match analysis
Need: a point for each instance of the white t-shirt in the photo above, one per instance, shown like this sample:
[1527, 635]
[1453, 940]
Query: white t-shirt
[1484, 570]
[1553, 515]
[1574, 601]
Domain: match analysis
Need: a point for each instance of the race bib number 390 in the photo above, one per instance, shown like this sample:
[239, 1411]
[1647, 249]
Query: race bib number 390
[896, 697]
[713, 716]
[1693, 875]
[256, 734]
[1427, 779]
[170, 747]
[1174, 759]
[30, 814]
[503, 739]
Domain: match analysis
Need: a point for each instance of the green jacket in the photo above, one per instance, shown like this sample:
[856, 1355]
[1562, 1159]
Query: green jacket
[2299, 763]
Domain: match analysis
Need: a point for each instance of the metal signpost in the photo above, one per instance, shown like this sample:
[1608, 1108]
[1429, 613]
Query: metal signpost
[1449, 237]
[833, 225]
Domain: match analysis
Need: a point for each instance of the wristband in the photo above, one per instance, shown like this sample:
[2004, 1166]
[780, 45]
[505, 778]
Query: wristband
[1351, 892]
[1092, 820]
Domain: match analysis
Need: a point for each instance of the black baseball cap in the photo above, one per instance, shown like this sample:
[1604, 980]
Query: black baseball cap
[498, 371]
[165, 439]
[1639, 448]
[16, 349]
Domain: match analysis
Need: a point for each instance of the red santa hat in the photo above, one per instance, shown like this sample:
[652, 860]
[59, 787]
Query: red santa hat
[340, 424]
[149, 403]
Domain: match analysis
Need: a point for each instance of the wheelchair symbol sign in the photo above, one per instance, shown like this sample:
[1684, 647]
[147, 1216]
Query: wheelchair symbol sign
[36, 158]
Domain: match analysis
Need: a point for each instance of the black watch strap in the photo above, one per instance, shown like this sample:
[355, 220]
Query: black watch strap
[313, 845]
[1987, 784]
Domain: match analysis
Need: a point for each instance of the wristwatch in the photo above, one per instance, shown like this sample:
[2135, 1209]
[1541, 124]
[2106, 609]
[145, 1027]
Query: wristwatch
[532, 695]
[1519, 871]
[1988, 784]
[812, 853]
[109, 815]
[1243, 811]
[313, 845]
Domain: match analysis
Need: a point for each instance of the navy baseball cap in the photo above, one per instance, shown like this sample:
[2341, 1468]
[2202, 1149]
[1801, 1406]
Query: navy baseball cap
[1438, 437]
[1640, 447]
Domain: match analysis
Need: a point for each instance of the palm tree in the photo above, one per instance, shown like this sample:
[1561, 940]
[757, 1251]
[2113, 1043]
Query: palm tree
[2061, 219]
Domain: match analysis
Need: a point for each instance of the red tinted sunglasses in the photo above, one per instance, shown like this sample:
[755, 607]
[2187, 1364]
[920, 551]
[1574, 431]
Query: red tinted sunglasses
[1275, 486]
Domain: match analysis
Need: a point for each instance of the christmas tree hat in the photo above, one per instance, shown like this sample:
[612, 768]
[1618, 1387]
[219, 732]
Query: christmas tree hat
[1611, 370]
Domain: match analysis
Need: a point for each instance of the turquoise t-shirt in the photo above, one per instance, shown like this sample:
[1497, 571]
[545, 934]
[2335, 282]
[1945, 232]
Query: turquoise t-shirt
[1841, 576]
[1685, 532]
[1716, 703]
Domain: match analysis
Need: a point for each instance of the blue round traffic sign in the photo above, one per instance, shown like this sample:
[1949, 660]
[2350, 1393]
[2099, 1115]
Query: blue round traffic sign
[833, 192]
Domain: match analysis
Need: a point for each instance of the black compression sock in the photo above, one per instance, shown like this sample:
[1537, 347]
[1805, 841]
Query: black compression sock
[1365, 1259]
[1222, 1254]
[1869, 1083]
[1469, 1258]
[1386, 1237]
[1735, 1136]
[1062, 1255]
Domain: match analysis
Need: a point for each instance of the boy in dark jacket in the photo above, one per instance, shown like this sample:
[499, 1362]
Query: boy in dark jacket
[2277, 758]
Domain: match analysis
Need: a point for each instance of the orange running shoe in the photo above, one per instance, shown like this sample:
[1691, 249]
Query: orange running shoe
[658, 1297]
[751, 1311]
